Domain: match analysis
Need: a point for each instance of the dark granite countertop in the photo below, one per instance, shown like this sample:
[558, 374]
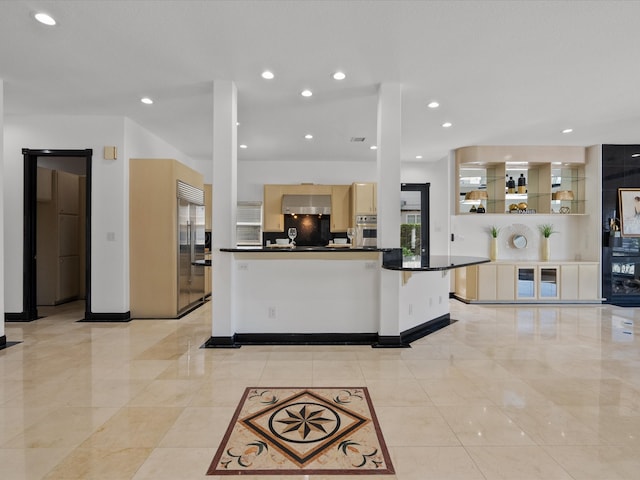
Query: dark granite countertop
[202, 263]
[392, 259]
[300, 249]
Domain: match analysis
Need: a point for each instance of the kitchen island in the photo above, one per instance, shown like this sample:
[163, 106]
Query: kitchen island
[329, 295]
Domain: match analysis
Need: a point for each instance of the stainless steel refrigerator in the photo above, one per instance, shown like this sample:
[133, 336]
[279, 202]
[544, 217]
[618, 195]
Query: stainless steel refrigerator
[191, 240]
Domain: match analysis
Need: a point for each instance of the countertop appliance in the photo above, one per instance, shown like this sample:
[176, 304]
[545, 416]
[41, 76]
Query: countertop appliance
[191, 243]
[366, 230]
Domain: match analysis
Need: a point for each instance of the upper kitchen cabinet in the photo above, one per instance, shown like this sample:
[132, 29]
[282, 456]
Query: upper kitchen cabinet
[520, 179]
[273, 218]
[340, 208]
[364, 199]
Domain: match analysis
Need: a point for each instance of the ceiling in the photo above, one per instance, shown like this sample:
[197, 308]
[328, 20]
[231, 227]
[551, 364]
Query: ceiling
[503, 72]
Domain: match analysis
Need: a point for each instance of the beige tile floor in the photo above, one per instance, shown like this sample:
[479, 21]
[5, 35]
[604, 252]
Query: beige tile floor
[550, 392]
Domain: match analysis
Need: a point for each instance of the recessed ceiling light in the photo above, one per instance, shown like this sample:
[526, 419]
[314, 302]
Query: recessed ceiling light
[635, 155]
[267, 75]
[433, 104]
[418, 157]
[339, 76]
[146, 100]
[567, 130]
[237, 124]
[447, 124]
[306, 93]
[243, 146]
[373, 147]
[308, 136]
[45, 19]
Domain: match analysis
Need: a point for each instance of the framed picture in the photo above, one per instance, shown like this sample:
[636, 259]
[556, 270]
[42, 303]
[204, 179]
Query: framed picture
[629, 202]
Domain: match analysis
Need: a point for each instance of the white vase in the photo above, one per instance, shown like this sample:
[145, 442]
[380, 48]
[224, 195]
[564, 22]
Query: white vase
[493, 249]
[546, 249]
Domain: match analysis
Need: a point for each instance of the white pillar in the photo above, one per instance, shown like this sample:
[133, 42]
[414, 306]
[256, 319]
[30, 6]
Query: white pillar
[224, 201]
[389, 162]
[2, 177]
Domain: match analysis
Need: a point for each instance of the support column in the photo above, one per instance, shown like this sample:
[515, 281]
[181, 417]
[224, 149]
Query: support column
[224, 204]
[389, 143]
[3, 337]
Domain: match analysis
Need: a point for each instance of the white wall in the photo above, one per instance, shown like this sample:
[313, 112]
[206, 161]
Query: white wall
[295, 295]
[578, 236]
[3, 181]
[438, 175]
[252, 175]
[141, 143]
[110, 195]
[423, 298]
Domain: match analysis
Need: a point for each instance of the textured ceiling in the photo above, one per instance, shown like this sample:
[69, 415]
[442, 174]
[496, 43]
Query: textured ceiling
[503, 72]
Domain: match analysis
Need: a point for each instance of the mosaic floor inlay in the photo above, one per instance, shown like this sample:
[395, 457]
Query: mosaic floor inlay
[303, 431]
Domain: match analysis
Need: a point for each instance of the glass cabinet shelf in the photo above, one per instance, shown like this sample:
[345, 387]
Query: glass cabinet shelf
[549, 187]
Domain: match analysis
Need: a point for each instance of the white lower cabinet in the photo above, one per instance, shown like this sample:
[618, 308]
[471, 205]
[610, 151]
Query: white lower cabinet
[543, 282]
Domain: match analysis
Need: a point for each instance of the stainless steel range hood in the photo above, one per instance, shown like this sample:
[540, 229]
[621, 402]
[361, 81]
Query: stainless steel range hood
[306, 204]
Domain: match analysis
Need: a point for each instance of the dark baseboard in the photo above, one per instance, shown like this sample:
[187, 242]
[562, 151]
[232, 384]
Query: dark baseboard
[424, 329]
[18, 317]
[306, 338]
[376, 341]
[390, 341]
[107, 317]
[221, 342]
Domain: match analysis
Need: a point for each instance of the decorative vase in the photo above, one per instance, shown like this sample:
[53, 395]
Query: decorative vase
[545, 249]
[493, 249]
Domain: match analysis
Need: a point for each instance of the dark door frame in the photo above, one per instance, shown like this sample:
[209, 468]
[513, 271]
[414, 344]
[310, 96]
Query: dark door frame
[29, 286]
[423, 188]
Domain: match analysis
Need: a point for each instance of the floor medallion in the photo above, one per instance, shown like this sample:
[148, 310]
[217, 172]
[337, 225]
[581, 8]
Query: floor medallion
[303, 431]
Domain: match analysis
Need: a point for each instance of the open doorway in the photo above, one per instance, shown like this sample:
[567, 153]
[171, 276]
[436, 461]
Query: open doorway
[57, 229]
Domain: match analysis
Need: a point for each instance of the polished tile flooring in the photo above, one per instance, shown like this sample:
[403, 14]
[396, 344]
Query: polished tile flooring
[549, 392]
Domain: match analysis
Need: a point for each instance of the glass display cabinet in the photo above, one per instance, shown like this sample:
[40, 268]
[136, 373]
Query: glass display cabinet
[528, 180]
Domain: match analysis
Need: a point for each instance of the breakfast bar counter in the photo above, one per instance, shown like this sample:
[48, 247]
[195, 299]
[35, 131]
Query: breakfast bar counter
[319, 295]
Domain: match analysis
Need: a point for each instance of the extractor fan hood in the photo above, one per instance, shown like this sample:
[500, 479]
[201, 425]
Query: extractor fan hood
[306, 204]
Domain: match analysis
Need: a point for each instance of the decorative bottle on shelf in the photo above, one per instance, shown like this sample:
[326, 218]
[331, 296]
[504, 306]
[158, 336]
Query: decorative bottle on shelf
[522, 184]
[511, 185]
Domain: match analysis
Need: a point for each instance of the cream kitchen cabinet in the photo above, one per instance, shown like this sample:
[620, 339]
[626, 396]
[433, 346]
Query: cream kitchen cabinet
[488, 281]
[340, 208]
[340, 204]
[154, 270]
[364, 199]
[535, 282]
[273, 218]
